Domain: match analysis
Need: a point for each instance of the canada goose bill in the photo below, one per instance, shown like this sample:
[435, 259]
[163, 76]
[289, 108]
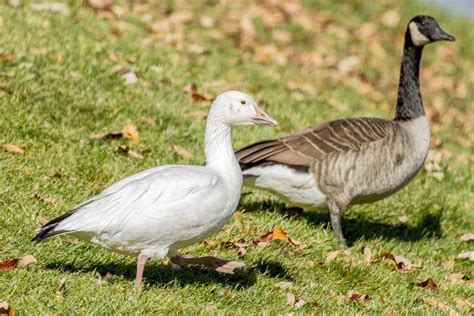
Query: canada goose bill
[335, 164]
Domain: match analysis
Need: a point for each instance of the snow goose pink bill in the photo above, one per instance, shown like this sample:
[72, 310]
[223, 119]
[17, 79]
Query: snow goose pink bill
[156, 212]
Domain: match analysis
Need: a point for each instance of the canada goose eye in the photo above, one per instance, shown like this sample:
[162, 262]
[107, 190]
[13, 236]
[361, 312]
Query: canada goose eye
[422, 23]
[243, 102]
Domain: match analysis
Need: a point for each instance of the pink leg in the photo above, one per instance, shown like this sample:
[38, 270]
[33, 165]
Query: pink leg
[223, 266]
[141, 260]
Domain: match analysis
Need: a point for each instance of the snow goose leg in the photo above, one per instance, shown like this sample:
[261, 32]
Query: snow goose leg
[141, 260]
[220, 265]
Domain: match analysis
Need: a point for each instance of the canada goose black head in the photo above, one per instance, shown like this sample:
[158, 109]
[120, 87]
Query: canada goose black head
[424, 29]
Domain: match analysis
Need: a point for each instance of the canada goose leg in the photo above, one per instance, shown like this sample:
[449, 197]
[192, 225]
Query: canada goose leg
[220, 265]
[335, 213]
[141, 260]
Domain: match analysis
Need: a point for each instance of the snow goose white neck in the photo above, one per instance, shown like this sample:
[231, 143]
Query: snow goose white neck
[160, 210]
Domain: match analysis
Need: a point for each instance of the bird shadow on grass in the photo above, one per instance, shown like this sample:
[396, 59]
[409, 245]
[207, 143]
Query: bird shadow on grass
[158, 275]
[359, 228]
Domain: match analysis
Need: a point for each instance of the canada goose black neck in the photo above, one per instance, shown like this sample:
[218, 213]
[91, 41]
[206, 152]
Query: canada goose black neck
[409, 102]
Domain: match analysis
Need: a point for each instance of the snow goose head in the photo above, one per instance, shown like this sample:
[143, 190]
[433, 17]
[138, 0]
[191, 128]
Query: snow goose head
[235, 108]
[425, 29]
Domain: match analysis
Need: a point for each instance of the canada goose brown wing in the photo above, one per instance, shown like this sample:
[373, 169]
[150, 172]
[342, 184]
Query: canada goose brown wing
[314, 143]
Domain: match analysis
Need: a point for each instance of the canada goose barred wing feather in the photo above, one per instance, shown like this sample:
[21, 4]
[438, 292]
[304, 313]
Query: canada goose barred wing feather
[313, 144]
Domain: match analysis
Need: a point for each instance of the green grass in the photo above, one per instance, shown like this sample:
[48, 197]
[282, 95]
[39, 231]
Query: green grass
[52, 107]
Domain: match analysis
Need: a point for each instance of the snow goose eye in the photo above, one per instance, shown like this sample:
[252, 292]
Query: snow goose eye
[243, 102]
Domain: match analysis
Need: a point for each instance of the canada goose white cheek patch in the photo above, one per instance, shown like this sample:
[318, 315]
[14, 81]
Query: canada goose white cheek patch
[416, 36]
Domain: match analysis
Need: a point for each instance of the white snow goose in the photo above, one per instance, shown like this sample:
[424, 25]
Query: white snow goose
[160, 210]
[360, 160]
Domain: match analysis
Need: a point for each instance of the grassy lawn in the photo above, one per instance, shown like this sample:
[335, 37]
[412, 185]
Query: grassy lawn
[61, 81]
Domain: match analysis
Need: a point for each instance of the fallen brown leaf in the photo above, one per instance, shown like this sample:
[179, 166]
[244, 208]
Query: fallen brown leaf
[464, 304]
[149, 121]
[449, 265]
[467, 237]
[26, 260]
[8, 264]
[125, 150]
[56, 7]
[276, 234]
[14, 3]
[295, 301]
[60, 291]
[238, 217]
[331, 256]
[198, 114]
[368, 255]
[466, 255]
[403, 219]
[106, 135]
[457, 277]
[428, 284]
[399, 262]
[192, 91]
[13, 148]
[442, 306]
[352, 296]
[100, 5]
[5, 308]
[130, 131]
[284, 285]
[186, 154]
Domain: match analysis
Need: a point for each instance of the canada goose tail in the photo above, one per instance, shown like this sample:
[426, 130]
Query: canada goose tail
[257, 153]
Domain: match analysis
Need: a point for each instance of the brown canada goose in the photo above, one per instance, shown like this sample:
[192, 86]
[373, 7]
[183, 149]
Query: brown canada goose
[359, 160]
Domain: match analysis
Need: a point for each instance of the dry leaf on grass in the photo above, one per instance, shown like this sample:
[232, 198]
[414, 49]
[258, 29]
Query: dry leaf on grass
[130, 131]
[466, 255]
[368, 255]
[186, 154]
[238, 217]
[442, 306]
[125, 150]
[457, 277]
[403, 219]
[8, 264]
[106, 135]
[62, 285]
[13, 148]
[449, 265]
[201, 115]
[464, 304]
[14, 3]
[149, 121]
[352, 296]
[399, 262]
[100, 5]
[331, 256]
[5, 308]
[276, 234]
[284, 285]
[240, 245]
[467, 237]
[26, 260]
[56, 7]
[428, 284]
[127, 74]
[292, 300]
[192, 91]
